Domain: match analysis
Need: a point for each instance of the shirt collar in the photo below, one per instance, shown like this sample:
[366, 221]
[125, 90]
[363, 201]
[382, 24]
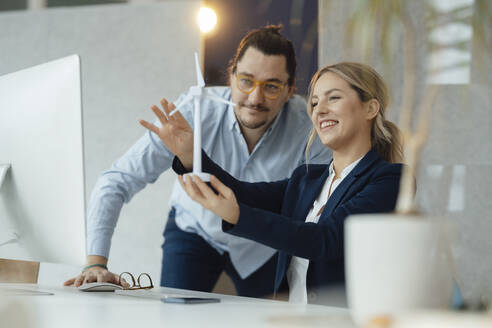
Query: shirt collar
[346, 170]
[231, 117]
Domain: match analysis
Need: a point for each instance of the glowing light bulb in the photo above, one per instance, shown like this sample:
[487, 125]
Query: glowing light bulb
[206, 19]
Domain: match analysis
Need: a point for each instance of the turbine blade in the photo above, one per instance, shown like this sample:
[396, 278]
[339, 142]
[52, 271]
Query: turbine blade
[199, 77]
[184, 102]
[220, 100]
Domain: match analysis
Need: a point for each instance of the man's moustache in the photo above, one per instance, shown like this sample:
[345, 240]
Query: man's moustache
[257, 107]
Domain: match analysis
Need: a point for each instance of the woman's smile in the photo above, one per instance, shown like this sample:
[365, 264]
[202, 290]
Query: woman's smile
[327, 124]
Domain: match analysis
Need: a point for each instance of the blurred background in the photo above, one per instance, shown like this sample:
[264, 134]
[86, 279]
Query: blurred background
[135, 52]
[237, 17]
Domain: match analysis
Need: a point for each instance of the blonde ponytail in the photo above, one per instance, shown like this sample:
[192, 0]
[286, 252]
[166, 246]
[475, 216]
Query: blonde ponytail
[387, 139]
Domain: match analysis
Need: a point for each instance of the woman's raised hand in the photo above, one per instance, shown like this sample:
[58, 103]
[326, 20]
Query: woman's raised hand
[175, 132]
[223, 203]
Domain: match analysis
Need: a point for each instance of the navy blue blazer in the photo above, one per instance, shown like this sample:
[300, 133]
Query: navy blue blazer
[274, 213]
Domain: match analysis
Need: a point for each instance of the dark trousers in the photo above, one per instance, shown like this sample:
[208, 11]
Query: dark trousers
[189, 262]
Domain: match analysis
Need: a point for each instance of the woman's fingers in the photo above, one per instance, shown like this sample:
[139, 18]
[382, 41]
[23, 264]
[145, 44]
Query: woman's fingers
[168, 108]
[179, 118]
[190, 188]
[225, 207]
[200, 192]
[149, 126]
[204, 189]
[160, 114]
[194, 189]
[180, 179]
[220, 187]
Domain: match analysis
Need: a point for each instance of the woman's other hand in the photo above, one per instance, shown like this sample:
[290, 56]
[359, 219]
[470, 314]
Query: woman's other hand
[223, 203]
[175, 132]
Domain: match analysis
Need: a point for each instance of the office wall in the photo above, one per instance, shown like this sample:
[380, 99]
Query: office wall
[132, 55]
[456, 168]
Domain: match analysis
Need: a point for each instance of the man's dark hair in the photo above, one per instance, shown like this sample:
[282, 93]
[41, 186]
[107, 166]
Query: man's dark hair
[269, 41]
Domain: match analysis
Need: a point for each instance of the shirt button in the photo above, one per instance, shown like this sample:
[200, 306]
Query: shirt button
[312, 297]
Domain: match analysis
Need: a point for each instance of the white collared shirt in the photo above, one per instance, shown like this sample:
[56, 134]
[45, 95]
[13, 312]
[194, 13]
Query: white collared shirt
[297, 272]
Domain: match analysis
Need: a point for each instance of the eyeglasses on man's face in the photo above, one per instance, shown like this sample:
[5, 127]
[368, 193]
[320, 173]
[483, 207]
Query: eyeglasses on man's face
[269, 89]
[143, 281]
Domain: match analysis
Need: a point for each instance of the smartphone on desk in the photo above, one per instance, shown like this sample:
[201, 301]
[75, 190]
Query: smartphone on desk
[190, 300]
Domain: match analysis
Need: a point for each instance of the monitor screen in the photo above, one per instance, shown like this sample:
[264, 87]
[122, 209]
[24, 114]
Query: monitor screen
[42, 204]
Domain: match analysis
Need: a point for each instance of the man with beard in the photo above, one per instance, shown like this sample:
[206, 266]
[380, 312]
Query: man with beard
[262, 138]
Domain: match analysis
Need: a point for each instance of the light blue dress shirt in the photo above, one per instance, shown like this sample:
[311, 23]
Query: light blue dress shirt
[276, 155]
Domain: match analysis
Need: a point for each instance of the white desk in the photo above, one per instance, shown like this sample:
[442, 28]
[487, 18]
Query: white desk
[69, 307]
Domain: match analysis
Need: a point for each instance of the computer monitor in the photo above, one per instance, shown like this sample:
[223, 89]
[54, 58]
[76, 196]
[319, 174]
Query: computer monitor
[42, 202]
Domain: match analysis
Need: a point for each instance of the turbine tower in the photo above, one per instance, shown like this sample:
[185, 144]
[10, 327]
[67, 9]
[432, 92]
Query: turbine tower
[196, 94]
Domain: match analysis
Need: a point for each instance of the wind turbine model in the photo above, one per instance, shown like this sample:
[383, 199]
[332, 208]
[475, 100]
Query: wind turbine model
[196, 94]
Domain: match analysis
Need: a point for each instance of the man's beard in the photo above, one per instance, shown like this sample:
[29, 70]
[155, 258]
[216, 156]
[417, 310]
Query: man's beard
[255, 124]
